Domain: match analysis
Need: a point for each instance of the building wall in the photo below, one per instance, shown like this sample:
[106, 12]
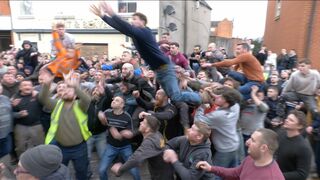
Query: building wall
[44, 13]
[192, 20]
[290, 30]
[224, 29]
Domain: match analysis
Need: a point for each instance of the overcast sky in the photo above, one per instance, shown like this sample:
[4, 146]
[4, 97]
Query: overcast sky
[248, 16]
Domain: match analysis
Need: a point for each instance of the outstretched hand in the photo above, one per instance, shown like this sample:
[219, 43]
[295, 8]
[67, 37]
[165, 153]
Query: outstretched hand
[106, 8]
[96, 10]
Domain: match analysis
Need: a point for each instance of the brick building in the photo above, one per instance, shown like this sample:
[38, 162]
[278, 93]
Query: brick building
[222, 28]
[294, 25]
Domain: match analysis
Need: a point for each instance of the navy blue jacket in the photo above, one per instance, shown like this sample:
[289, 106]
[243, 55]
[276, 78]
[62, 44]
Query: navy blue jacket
[143, 40]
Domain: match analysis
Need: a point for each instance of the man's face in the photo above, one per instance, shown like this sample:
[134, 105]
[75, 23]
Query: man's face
[219, 100]
[292, 123]
[174, 49]
[68, 94]
[125, 57]
[26, 87]
[193, 133]
[19, 78]
[137, 22]
[143, 126]
[202, 76]
[26, 46]
[98, 76]
[274, 79]
[229, 84]
[240, 50]
[164, 37]
[12, 70]
[117, 103]
[196, 50]
[150, 74]
[254, 144]
[272, 93]
[61, 89]
[61, 31]
[125, 72]
[92, 72]
[304, 68]
[8, 79]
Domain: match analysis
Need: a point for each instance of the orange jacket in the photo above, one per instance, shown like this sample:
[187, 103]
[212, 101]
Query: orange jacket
[62, 65]
[247, 63]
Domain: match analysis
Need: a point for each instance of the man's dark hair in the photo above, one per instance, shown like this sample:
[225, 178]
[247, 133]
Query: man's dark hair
[231, 96]
[274, 88]
[142, 17]
[304, 61]
[244, 46]
[302, 120]
[153, 123]
[197, 46]
[174, 44]
[166, 33]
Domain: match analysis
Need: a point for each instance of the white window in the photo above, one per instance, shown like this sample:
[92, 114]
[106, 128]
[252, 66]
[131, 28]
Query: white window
[127, 6]
[278, 9]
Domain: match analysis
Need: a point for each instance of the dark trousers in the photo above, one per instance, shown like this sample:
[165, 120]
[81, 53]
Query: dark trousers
[78, 154]
[5, 145]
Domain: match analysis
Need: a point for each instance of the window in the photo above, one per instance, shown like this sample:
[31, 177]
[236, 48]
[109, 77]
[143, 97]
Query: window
[26, 8]
[127, 7]
[278, 9]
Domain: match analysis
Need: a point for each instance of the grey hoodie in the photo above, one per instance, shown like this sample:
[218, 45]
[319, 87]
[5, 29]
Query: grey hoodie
[189, 155]
[151, 149]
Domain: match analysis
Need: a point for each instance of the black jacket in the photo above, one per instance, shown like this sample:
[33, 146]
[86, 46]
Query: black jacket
[25, 54]
[102, 104]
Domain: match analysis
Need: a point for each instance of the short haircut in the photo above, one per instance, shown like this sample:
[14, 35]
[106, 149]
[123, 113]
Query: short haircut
[231, 96]
[26, 80]
[174, 44]
[304, 61]
[128, 66]
[153, 123]
[204, 129]
[274, 88]
[60, 82]
[301, 116]
[270, 138]
[141, 17]
[60, 25]
[235, 83]
[166, 33]
[244, 46]
[197, 46]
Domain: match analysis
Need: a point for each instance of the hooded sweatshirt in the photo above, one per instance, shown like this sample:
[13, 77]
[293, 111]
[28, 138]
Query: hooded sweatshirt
[188, 157]
[151, 149]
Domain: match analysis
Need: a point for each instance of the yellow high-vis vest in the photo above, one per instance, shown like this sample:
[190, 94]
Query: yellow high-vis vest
[82, 119]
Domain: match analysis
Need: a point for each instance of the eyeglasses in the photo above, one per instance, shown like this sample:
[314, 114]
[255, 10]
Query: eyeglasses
[20, 170]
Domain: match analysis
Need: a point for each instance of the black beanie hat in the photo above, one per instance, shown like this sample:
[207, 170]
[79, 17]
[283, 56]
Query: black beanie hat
[42, 160]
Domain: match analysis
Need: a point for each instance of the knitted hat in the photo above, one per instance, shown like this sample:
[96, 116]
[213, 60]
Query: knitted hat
[41, 160]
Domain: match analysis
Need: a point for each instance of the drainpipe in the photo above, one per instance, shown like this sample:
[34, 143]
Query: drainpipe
[309, 30]
[185, 26]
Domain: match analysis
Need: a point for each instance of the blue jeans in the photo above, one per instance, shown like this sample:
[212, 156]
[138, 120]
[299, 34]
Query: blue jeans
[5, 145]
[246, 84]
[169, 83]
[225, 159]
[98, 141]
[78, 154]
[110, 154]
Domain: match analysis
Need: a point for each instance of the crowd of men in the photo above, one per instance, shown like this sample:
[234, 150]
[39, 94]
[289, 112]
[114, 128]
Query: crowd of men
[196, 116]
